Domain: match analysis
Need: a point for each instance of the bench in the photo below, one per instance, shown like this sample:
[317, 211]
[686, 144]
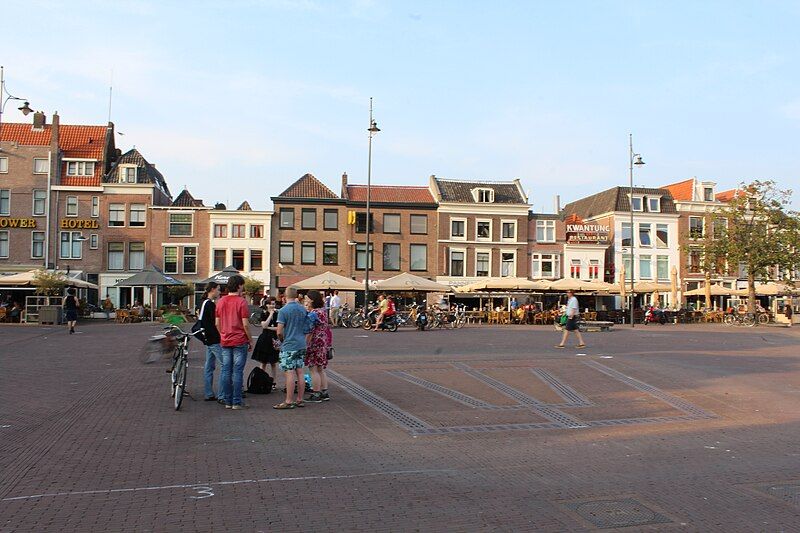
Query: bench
[596, 325]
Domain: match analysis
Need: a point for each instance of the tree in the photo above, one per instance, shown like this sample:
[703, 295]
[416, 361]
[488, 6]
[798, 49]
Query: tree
[761, 235]
[49, 283]
[178, 292]
[252, 287]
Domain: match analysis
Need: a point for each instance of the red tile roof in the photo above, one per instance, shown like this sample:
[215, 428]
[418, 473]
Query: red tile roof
[82, 181]
[397, 194]
[308, 187]
[683, 190]
[727, 196]
[76, 141]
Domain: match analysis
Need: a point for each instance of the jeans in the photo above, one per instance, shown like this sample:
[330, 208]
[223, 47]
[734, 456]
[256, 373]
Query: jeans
[232, 375]
[213, 357]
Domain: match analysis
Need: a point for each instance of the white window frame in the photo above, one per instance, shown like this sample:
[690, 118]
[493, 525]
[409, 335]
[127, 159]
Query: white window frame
[7, 240]
[641, 203]
[463, 251]
[45, 162]
[666, 276]
[656, 239]
[6, 213]
[555, 259]
[183, 259]
[81, 168]
[702, 227]
[503, 222]
[483, 251]
[712, 194]
[130, 215]
[491, 229]
[164, 259]
[479, 192]
[596, 264]
[573, 263]
[545, 225]
[124, 219]
[121, 253]
[33, 233]
[94, 241]
[169, 223]
[123, 175]
[513, 273]
[73, 235]
[77, 207]
[410, 258]
[656, 199]
[95, 206]
[3, 165]
[650, 260]
[450, 229]
[649, 233]
[44, 202]
[143, 252]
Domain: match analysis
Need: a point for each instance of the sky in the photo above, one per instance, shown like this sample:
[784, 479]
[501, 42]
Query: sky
[235, 100]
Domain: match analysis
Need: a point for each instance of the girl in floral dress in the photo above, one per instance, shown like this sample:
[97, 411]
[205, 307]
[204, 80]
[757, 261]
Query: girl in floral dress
[319, 342]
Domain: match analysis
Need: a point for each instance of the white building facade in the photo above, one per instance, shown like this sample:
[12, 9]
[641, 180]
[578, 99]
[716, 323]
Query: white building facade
[240, 238]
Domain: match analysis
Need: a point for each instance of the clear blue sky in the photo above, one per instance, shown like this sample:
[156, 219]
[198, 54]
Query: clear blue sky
[237, 99]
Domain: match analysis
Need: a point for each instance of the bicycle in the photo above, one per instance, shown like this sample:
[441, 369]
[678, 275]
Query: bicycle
[744, 319]
[180, 362]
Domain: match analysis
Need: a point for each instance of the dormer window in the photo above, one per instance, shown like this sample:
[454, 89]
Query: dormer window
[80, 168]
[654, 204]
[483, 196]
[637, 203]
[127, 175]
[708, 194]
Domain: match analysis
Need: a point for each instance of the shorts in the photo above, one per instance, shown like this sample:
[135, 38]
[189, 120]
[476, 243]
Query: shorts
[292, 360]
[572, 324]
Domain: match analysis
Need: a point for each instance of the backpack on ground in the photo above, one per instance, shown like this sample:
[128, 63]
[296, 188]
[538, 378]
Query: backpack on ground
[259, 382]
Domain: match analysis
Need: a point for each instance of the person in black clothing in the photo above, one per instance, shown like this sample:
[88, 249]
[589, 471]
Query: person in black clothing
[207, 318]
[70, 304]
[267, 349]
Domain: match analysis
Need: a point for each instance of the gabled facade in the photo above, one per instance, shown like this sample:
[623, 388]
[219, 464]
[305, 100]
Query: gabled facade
[241, 238]
[483, 229]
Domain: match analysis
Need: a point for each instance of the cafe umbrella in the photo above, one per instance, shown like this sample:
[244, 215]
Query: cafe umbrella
[151, 278]
[221, 277]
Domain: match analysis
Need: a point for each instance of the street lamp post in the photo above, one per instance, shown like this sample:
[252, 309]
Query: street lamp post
[635, 159]
[373, 129]
[5, 96]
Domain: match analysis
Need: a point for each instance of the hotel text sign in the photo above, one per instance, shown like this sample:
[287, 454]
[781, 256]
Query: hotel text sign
[76, 223]
[586, 233]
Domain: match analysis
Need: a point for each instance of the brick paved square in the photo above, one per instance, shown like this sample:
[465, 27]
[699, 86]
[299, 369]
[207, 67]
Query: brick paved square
[482, 429]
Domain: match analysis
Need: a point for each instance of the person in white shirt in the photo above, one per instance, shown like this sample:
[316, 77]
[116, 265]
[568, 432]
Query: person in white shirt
[573, 314]
[334, 304]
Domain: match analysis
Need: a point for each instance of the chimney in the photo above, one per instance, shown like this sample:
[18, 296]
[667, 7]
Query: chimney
[344, 185]
[39, 120]
[557, 203]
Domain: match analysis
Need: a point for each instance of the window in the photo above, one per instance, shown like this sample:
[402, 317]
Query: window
[95, 206]
[127, 175]
[71, 245]
[138, 213]
[40, 166]
[545, 265]
[636, 203]
[456, 263]
[39, 202]
[708, 194]
[626, 234]
[662, 236]
[483, 196]
[483, 230]
[361, 256]
[662, 266]
[361, 223]
[256, 231]
[287, 218]
[189, 260]
[116, 255]
[391, 256]
[695, 227]
[116, 215]
[220, 259]
[418, 257]
[136, 256]
[286, 253]
[458, 229]
[654, 204]
[575, 268]
[330, 253]
[645, 267]
[37, 245]
[545, 231]
[509, 230]
[330, 219]
[237, 231]
[482, 264]
[594, 268]
[391, 224]
[79, 168]
[256, 260]
[419, 224]
[220, 231]
[170, 259]
[5, 202]
[644, 235]
[308, 253]
[309, 219]
[3, 165]
[3, 244]
[508, 264]
[94, 241]
[72, 206]
[720, 227]
[180, 224]
[626, 261]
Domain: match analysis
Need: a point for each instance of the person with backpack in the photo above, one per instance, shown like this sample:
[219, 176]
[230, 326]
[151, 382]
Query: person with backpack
[210, 337]
[70, 304]
[233, 324]
[267, 349]
[319, 341]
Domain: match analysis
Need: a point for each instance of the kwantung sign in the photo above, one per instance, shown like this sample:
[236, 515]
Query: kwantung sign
[588, 233]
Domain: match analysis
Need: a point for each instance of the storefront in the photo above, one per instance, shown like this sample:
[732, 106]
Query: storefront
[122, 297]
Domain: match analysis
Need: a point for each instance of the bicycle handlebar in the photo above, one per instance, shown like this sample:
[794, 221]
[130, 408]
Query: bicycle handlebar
[183, 334]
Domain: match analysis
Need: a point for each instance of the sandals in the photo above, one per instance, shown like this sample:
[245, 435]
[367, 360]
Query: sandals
[283, 405]
[558, 346]
[301, 403]
[580, 346]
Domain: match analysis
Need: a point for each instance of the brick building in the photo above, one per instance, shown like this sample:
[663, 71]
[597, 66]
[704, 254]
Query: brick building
[482, 229]
[546, 240]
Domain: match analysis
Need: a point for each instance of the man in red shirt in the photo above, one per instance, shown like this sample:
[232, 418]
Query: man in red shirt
[234, 331]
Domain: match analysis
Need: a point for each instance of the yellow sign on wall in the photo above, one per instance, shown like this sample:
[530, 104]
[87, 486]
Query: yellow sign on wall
[75, 223]
[17, 222]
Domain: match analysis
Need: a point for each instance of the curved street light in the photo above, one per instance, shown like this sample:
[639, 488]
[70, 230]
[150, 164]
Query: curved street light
[373, 129]
[5, 96]
[635, 159]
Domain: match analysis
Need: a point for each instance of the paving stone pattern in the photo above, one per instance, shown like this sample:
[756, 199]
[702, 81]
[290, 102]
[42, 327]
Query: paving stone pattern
[483, 429]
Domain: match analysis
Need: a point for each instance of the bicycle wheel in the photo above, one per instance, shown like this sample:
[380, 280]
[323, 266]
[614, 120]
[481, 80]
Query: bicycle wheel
[173, 376]
[729, 320]
[749, 320]
[763, 318]
[460, 322]
[356, 321]
[180, 386]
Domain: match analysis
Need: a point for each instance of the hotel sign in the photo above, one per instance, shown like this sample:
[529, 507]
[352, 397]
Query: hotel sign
[588, 233]
[76, 223]
[17, 222]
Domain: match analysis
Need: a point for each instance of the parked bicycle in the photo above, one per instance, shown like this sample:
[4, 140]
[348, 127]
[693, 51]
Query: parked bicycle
[742, 319]
[180, 361]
